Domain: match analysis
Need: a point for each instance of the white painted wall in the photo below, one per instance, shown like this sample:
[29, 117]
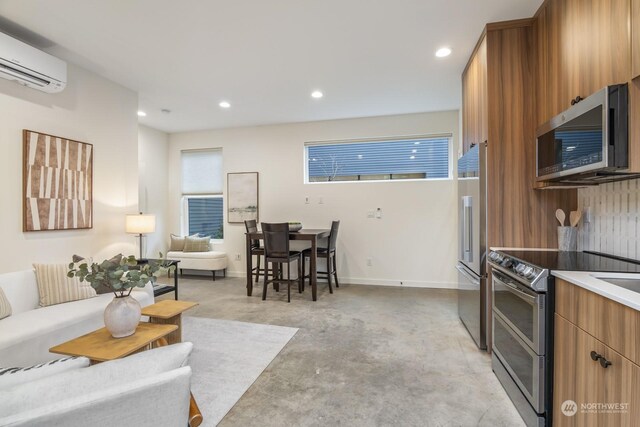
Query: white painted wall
[415, 241]
[91, 109]
[153, 162]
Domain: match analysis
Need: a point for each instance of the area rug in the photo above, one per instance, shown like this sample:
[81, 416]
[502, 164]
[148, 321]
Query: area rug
[227, 358]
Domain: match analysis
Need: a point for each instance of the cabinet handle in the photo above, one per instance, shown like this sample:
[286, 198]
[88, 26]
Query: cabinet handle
[604, 362]
[598, 357]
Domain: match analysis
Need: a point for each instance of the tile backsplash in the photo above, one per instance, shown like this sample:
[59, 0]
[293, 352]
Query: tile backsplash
[615, 213]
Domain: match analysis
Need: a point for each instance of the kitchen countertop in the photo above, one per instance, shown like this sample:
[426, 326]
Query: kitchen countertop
[589, 280]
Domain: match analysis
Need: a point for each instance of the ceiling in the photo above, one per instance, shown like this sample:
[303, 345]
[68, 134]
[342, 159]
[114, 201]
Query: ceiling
[265, 57]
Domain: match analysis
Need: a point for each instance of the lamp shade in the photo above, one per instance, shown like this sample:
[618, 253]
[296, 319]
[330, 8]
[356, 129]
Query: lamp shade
[140, 224]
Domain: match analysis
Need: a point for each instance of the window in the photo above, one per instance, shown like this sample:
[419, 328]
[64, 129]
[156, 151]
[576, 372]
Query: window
[389, 159]
[202, 198]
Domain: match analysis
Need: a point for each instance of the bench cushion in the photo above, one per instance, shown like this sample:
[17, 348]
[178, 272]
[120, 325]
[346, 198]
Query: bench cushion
[196, 255]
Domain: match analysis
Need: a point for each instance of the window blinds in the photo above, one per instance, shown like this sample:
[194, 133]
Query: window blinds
[202, 172]
[404, 158]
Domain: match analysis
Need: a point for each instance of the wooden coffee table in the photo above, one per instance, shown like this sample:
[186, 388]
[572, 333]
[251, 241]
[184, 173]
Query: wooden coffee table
[99, 346]
[168, 312]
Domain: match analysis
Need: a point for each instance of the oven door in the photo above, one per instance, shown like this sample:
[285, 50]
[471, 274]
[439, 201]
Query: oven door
[524, 366]
[520, 308]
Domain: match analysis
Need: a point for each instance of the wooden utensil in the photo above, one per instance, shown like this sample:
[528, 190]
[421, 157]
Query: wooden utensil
[561, 216]
[574, 217]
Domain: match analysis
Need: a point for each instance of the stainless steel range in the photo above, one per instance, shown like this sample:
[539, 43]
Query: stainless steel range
[522, 356]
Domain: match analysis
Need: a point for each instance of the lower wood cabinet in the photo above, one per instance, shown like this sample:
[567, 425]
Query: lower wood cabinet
[593, 384]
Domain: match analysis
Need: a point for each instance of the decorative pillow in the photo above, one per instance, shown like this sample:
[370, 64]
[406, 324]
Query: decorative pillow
[10, 377]
[55, 287]
[5, 307]
[177, 243]
[196, 244]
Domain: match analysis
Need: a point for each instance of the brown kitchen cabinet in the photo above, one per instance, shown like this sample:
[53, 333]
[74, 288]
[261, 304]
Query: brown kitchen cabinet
[581, 379]
[635, 38]
[581, 46]
[474, 105]
[498, 107]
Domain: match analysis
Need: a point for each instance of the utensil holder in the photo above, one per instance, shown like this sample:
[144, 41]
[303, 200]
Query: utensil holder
[567, 238]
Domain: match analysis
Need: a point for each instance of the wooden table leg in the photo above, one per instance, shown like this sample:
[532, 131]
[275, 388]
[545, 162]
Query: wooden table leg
[195, 416]
[313, 275]
[249, 265]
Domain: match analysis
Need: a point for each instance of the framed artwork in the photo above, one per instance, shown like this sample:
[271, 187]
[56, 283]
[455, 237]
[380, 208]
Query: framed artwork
[57, 183]
[242, 196]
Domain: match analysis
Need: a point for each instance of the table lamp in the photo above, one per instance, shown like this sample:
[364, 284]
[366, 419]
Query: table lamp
[140, 224]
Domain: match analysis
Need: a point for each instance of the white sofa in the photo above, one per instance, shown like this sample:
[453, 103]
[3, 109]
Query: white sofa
[209, 261]
[151, 388]
[27, 335]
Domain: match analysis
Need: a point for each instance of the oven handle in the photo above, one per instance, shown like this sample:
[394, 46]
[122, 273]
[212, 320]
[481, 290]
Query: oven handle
[525, 296]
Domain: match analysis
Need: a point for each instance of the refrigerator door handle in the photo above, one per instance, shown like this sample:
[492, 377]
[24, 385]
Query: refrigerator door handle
[472, 279]
[467, 237]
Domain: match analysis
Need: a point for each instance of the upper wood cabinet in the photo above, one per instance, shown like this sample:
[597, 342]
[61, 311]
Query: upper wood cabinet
[581, 46]
[474, 98]
[635, 38]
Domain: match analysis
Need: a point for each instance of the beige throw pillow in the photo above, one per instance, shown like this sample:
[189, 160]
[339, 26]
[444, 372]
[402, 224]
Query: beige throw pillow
[55, 287]
[196, 244]
[5, 307]
[177, 243]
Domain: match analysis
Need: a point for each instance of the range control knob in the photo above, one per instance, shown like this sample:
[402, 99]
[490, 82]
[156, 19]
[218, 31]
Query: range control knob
[532, 274]
[528, 271]
[520, 268]
[506, 262]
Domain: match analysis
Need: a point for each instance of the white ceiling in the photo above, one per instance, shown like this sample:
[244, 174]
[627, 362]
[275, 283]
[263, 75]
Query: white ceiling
[369, 57]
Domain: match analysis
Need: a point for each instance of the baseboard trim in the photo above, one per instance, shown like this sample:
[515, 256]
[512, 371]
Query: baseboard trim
[378, 282]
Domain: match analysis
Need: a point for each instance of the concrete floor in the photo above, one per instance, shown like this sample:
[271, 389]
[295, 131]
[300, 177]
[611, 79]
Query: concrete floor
[364, 356]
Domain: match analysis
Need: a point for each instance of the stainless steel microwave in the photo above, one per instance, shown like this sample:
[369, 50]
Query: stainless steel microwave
[588, 143]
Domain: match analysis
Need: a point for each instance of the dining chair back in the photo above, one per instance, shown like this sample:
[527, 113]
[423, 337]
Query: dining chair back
[252, 227]
[276, 240]
[333, 236]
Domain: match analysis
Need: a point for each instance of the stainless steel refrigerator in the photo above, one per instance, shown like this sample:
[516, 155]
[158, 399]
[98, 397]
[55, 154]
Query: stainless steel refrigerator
[473, 292]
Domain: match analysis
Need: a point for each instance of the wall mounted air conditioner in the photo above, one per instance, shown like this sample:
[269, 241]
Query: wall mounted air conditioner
[31, 67]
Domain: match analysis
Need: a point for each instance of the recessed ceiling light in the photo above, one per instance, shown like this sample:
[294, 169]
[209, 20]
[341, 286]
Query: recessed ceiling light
[141, 114]
[442, 52]
[224, 104]
[317, 94]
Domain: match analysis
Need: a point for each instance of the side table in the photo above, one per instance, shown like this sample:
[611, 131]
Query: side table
[169, 312]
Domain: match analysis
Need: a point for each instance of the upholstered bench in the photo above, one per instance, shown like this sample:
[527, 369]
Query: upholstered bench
[196, 253]
[210, 260]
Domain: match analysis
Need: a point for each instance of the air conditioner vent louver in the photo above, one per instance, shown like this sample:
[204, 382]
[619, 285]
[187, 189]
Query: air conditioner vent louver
[31, 67]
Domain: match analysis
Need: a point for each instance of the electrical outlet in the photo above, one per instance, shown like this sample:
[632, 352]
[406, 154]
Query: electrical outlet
[306, 200]
[237, 257]
[379, 213]
[369, 262]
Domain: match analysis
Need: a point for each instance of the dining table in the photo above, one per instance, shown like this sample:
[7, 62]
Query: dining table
[306, 234]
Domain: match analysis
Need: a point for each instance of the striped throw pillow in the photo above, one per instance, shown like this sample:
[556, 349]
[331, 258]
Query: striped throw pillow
[54, 287]
[196, 244]
[5, 307]
[10, 377]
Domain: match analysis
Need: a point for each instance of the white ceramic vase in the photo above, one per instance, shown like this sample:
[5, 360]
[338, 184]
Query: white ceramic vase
[121, 316]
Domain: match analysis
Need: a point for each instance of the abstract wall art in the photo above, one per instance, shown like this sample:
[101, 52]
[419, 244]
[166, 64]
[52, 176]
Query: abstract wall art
[57, 183]
[242, 196]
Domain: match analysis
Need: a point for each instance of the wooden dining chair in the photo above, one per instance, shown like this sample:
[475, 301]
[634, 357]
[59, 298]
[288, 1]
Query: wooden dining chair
[252, 227]
[277, 252]
[329, 254]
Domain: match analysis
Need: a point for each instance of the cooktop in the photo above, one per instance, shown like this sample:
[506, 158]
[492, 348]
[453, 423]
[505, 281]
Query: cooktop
[575, 261]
